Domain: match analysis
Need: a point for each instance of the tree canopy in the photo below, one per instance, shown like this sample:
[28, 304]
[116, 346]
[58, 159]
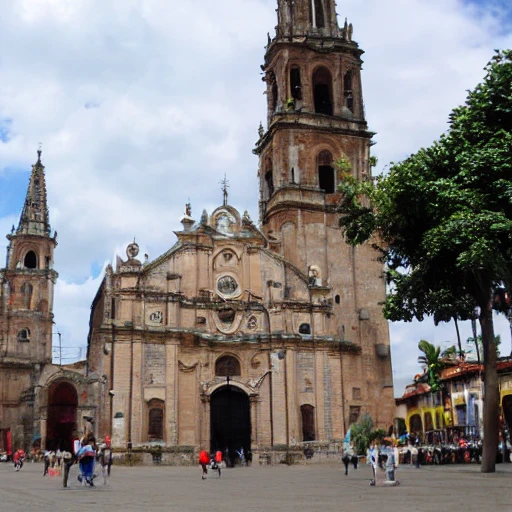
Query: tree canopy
[442, 221]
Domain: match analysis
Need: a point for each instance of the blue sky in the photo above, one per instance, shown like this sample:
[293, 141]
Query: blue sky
[139, 109]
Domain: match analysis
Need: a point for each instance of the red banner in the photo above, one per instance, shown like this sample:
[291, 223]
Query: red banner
[8, 442]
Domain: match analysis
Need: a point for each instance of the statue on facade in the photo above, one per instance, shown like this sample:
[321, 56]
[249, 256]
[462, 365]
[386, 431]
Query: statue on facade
[314, 276]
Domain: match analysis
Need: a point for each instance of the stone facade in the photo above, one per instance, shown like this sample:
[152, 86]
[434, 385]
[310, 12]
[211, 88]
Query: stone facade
[239, 336]
[268, 336]
[41, 404]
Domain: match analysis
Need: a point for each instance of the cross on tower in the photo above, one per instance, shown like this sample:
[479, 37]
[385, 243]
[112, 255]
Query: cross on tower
[225, 186]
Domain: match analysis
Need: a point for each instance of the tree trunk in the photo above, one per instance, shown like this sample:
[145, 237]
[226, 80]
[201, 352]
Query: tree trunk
[491, 390]
[458, 337]
[475, 339]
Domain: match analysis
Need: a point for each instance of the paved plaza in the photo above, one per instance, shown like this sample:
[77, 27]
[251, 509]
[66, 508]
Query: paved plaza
[312, 488]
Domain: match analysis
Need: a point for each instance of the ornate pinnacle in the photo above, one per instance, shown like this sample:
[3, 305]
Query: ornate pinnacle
[225, 186]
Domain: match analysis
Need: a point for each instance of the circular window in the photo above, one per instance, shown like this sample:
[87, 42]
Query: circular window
[227, 316]
[227, 285]
[304, 329]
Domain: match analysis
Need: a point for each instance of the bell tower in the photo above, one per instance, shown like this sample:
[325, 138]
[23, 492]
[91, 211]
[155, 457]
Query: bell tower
[26, 317]
[316, 135]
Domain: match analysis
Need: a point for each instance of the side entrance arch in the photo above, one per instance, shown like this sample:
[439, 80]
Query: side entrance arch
[62, 404]
[230, 421]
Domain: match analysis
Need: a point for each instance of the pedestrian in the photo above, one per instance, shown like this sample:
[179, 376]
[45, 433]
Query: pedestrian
[372, 457]
[86, 456]
[389, 461]
[18, 458]
[348, 456]
[204, 460]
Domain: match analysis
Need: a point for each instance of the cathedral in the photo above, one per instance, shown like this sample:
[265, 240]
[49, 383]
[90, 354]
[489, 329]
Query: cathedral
[265, 336]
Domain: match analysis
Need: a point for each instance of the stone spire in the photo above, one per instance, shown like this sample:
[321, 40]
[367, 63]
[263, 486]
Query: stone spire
[35, 219]
[306, 17]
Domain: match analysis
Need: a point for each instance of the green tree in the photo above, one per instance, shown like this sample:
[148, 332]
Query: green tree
[497, 342]
[434, 361]
[442, 221]
[361, 433]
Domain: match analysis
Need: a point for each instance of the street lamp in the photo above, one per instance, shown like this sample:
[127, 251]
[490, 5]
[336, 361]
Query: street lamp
[60, 347]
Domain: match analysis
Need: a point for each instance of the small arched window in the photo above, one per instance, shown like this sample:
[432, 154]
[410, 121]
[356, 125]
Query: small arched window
[304, 329]
[326, 180]
[24, 335]
[273, 91]
[316, 14]
[347, 91]
[156, 409]
[337, 299]
[269, 184]
[322, 91]
[308, 422]
[295, 85]
[415, 424]
[26, 292]
[227, 366]
[30, 260]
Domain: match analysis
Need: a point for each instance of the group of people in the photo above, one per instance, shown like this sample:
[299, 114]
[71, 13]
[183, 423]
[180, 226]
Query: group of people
[213, 461]
[384, 461]
[382, 458]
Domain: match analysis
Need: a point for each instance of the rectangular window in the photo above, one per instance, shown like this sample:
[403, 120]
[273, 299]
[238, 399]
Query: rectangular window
[356, 393]
[326, 178]
[354, 413]
[461, 414]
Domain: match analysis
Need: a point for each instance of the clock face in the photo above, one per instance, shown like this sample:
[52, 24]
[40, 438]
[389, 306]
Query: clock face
[132, 250]
[227, 285]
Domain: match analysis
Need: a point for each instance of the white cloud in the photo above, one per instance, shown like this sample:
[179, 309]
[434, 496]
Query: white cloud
[138, 101]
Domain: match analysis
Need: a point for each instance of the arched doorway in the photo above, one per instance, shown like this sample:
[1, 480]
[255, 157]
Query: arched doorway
[230, 421]
[61, 422]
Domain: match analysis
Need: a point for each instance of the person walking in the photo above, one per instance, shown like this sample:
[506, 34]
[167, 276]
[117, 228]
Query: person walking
[348, 457]
[86, 457]
[204, 460]
[372, 459]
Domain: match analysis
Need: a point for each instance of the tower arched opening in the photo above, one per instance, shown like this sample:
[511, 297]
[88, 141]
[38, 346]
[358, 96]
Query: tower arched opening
[322, 91]
[326, 177]
[295, 83]
[348, 96]
[30, 260]
[316, 14]
[273, 92]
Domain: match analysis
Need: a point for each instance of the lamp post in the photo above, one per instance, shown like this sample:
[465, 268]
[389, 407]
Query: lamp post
[60, 347]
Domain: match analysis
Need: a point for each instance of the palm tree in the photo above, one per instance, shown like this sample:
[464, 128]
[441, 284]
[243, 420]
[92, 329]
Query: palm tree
[432, 360]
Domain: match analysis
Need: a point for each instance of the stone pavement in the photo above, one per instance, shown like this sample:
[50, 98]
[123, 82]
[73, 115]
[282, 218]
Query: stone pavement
[298, 488]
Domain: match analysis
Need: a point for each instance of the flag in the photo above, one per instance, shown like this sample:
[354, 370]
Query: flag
[346, 441]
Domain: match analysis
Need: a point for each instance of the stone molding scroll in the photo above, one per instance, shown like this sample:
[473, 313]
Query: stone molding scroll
[187, 368]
